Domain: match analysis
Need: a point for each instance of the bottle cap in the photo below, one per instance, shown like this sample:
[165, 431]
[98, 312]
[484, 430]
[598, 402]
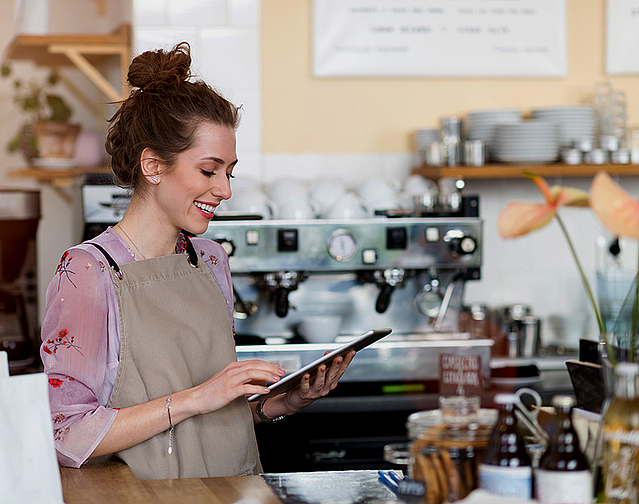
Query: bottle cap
[505, 398]
[563, 401]
[627, 368]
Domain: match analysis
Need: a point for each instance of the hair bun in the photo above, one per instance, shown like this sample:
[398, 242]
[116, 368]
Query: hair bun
[157, 70]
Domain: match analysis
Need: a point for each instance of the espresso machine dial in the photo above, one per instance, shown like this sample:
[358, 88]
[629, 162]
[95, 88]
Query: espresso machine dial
[342, 245]
[460, 243]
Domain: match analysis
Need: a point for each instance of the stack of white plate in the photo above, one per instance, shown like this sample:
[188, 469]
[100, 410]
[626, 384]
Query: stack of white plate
[532, 141]
[481, 124]
[576, 122]
[423, 138]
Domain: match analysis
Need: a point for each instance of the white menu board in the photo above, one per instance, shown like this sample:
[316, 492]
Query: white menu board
[622, 37]
[439, 38]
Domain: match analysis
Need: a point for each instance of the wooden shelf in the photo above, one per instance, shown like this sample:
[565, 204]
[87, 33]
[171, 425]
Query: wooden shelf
[58, 176]
[83, 51]
[60, 179]
[515, 171]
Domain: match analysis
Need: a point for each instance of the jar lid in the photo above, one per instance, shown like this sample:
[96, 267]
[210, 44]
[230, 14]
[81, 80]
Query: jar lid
[503, 398]
[439, 426]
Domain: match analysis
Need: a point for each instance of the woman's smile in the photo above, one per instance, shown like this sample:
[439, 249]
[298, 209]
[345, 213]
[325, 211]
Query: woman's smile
[206, 209]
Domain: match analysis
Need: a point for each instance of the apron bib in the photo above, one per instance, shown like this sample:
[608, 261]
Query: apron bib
[175, 334]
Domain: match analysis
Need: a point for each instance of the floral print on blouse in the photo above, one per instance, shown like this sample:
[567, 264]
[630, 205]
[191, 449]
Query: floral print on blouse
[81, 339]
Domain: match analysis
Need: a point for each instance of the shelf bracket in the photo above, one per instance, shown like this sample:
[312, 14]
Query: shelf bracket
[76, 53]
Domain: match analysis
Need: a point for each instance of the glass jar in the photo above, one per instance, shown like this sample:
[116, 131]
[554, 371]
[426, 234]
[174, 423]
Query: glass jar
[447, 446]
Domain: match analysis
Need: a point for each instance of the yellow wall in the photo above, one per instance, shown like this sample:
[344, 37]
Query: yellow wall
[305, 114]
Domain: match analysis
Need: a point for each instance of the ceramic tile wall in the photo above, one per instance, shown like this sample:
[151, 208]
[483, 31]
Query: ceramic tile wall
[537, 269]
[224, 39]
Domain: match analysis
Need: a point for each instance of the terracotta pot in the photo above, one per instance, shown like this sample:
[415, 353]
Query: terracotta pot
[56, 139]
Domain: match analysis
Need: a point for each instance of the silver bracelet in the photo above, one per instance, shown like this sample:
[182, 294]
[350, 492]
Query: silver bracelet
[260, 413]
[171, 426]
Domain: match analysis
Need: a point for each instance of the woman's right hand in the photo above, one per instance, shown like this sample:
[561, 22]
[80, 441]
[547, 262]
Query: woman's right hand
[237, 379]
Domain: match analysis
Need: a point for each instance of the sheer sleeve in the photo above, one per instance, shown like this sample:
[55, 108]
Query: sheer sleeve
[74, 352]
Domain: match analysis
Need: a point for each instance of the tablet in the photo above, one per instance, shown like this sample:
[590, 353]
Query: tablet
[291, 380]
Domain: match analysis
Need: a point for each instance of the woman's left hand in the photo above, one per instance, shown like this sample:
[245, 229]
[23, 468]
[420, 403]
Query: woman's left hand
[324, 381]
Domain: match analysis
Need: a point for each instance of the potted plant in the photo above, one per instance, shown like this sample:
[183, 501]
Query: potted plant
[48, 132]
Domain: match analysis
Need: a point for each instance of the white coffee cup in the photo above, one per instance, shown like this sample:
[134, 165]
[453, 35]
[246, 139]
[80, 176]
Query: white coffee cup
[296, 209]
[416, 184]
[349, 206]
[251, 202]
[325, 194]
[379, 195]
[284, 190]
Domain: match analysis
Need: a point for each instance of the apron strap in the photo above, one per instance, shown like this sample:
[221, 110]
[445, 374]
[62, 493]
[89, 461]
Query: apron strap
[114, 266]
[193, 260]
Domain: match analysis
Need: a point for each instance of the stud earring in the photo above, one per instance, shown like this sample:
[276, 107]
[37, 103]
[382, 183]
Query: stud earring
[155, 180]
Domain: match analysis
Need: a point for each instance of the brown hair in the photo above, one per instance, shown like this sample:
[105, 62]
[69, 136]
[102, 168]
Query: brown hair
[162, 113]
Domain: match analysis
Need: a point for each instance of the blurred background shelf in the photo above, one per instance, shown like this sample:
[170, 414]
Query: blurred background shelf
[86, 52]
[59, 179]
[517, 170]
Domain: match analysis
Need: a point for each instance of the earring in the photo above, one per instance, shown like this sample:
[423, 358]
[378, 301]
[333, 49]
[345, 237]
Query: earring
[154, 179]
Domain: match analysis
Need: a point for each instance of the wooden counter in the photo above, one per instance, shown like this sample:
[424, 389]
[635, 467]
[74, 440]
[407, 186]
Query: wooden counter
[113, 482]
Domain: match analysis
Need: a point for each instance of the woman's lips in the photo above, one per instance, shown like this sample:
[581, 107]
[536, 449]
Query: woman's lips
[205, 209]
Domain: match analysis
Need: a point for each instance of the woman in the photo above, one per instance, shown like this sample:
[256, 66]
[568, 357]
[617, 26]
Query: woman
[137, 334]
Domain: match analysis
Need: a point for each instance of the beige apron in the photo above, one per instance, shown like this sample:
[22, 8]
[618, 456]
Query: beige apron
[175, 333]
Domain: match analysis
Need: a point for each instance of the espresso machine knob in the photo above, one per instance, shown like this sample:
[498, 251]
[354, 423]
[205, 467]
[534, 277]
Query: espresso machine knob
[460, 243]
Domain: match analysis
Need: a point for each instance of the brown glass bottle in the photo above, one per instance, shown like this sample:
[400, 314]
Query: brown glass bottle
[621, 438]
[564, 473]
[506, 468]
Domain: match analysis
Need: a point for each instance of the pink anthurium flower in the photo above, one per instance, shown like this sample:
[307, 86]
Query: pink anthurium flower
[616, 209]
[518, 218]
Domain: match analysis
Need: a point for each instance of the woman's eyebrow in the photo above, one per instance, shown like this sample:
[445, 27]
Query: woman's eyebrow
[218, 160]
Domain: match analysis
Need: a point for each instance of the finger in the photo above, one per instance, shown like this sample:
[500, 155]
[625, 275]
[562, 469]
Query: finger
[320, 377]
[333, 372]
[305, 384]
[256, 370]
[345, 363]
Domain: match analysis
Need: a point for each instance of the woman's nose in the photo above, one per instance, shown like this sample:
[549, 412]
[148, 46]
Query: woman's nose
[225, 189]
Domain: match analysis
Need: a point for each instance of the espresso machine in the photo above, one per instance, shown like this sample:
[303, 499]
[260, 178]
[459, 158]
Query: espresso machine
[395, 270]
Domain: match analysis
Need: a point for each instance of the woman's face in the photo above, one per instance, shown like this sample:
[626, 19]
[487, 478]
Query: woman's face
[188, 194]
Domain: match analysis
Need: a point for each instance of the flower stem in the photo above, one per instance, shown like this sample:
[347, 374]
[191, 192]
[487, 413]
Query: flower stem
[584, 280]
[635, 316]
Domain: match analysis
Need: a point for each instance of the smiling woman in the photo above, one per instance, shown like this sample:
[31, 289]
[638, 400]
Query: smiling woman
[151, 372]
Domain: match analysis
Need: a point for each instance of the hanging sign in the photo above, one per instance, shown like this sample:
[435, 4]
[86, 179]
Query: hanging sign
[459, 374]
[622, 37]
[439, 38]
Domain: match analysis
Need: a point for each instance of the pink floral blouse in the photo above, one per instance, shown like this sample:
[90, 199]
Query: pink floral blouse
[81, 339]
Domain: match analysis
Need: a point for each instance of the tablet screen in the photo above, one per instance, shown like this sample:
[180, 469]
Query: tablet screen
[291, 380]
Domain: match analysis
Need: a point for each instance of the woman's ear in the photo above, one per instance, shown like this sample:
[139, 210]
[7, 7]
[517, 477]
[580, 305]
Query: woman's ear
[150, 165]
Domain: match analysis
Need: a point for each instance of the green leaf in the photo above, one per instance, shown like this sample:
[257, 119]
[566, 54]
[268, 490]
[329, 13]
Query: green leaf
[60, 111]
[14, 143]
[5, 71]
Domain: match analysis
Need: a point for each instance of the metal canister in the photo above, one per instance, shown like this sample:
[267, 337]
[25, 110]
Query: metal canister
[475, 153]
